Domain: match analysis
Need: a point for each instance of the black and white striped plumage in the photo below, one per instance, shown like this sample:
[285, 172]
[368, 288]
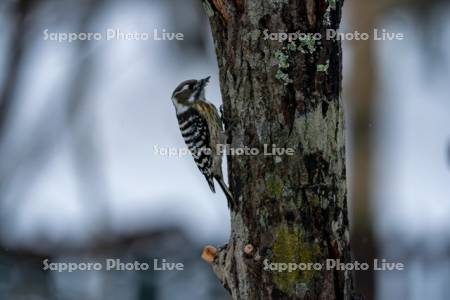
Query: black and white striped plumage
[194, 130]
[201, 128]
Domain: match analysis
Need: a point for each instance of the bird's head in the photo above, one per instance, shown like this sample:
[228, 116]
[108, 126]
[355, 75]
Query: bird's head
[190, 90]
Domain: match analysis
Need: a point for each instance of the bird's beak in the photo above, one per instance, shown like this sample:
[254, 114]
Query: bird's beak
[204, 81]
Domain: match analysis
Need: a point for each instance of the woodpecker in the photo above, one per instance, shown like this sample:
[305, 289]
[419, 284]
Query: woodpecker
[202, 130]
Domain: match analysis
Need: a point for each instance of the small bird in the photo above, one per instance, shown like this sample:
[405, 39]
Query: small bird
[202, 130]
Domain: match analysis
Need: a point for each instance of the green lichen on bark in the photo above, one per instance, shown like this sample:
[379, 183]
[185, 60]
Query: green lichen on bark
[323, 67]
[283, 64]
[274, 186]
[290, 247]
[307, 45]
[327, 16]
[208, 9]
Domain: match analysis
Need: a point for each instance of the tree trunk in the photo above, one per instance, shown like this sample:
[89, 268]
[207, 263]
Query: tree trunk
[362, 93]
[291, 208]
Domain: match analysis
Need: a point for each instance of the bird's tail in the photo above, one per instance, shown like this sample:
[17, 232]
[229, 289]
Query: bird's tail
[227, 192]
[210, 181]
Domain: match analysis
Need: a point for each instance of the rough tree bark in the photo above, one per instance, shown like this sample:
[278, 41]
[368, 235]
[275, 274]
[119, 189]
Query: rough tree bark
[291, 208]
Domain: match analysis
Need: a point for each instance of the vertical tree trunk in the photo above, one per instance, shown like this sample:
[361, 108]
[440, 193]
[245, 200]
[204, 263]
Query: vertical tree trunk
[362, 93]
[287, 94]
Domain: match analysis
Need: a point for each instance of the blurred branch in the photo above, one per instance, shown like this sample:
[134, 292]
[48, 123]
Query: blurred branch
[365, 16]
[189, 12]
[59, 118]
[21, 269]
[362, 97]
[164, 242]
[84, 148]
[14, 60]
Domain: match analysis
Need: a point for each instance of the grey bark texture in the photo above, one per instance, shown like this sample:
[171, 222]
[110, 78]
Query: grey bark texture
[287, 94]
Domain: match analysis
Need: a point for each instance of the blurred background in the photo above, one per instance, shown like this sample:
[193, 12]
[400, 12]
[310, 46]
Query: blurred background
[81, 122]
